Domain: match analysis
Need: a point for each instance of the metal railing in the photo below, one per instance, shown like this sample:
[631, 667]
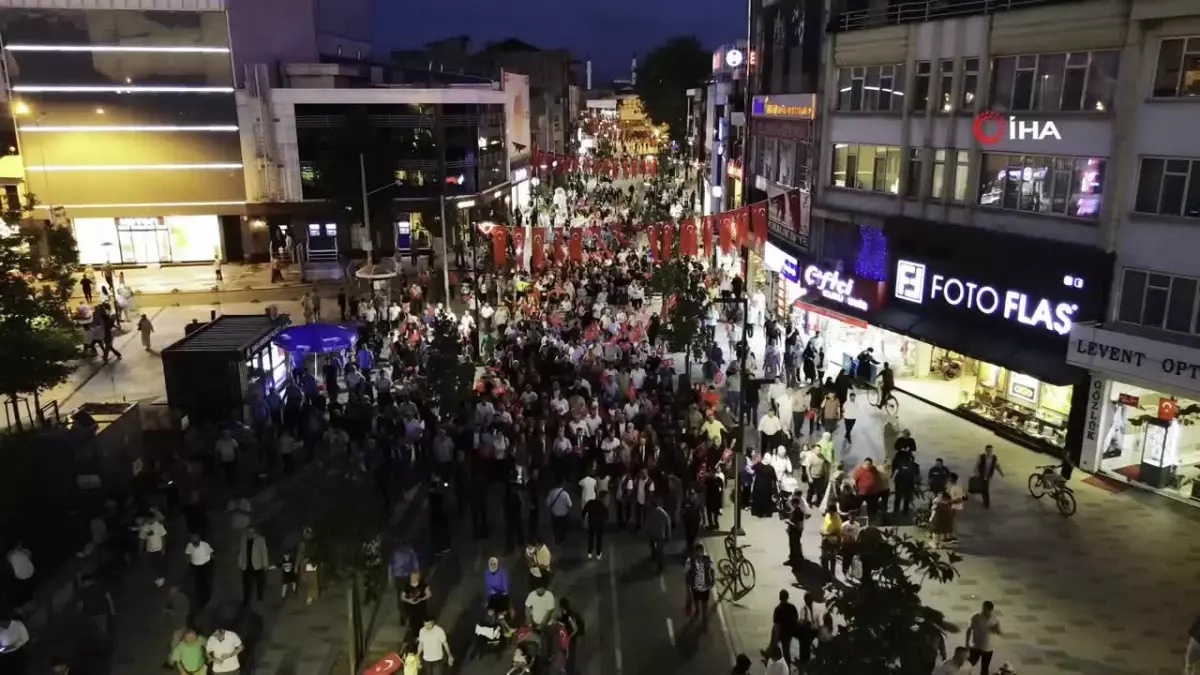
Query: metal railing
[916, 11]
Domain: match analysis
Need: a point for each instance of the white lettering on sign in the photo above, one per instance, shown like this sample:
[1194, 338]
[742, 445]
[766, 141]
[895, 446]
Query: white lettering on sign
[1009, 304]
[1095, 405]
[833, 287]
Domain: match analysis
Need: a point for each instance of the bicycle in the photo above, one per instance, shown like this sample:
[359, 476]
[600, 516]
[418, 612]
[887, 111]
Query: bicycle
[1046, 480]
[891, 405]
[735, 570]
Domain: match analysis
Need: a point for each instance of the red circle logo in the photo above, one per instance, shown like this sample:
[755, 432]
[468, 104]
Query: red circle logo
[999, 126]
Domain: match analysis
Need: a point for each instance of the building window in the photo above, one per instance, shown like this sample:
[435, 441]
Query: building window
[870, 88]
[962, 160]
[1159, 301]
[1169, 187]
[920, 99]
[937, 185]
[1178, 72]
[945, 85]
[1072, 81]
[970, 83]
[912, 189]
[873, 168]
[1068, 186]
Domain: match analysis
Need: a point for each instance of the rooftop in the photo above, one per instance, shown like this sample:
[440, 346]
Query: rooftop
[231, 333]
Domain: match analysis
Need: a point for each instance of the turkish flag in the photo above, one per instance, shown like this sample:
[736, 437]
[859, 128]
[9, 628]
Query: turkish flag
[706, 234]
[668, 240]
[727, 227]
[653, 167]
[539, 248]
[742, 218]
[560, 248]
[652, 235]
[575, 247]
[500, 245]
[387, 665]
[518, 237]
[799, 213]
[777, 209]
[758, 224]
[1167, 409]
[687, 239]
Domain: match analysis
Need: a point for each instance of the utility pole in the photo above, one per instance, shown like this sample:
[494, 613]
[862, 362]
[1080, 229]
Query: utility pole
[370, 241]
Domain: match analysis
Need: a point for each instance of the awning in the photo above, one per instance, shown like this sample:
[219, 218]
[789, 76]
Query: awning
[1047, 366]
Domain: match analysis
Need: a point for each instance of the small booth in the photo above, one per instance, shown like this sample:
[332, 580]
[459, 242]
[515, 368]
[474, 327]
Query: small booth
[316, 339]
[214, 373]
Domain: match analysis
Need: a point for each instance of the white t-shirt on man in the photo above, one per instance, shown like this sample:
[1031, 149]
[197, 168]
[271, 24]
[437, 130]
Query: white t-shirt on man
[224, 648]
[587, 489]
[431, 643]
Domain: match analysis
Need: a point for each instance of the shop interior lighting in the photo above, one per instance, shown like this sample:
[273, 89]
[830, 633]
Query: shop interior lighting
[135, 128]
[137, 205]
[72, 89]
[118, 48]
[134, 167]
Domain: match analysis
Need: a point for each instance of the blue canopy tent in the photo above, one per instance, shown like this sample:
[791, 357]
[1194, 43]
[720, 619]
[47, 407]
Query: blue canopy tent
[316, 338]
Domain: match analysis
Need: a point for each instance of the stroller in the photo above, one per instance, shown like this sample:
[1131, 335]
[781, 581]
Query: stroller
[788, 487]
[534, 653]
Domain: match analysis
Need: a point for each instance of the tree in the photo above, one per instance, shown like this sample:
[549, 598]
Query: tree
[447, 376]
[339, 174]
[39, 339]
[664, 77]
[346, 519]
[685, 307]
[888, 629]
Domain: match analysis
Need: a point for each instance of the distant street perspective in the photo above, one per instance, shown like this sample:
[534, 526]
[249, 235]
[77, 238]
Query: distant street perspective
[754, 338]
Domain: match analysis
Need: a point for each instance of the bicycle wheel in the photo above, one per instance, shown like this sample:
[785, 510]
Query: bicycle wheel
[745, 573]
[873, 396]
[892, 406]
[1036, 487]
[1065, 501]
[726, 570]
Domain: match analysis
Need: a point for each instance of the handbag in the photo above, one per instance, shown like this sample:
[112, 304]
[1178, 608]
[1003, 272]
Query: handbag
[975, 485]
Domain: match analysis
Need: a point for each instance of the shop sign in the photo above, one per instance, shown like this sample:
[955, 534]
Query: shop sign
[991, 127]
[785, 107]
[1095, 407]
[833, 286]
[915, 283]
[1175, 367]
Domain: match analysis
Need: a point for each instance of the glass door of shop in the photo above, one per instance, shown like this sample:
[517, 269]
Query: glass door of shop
[143, 240]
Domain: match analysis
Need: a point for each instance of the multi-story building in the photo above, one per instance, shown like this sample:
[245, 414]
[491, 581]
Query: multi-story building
[967, 201]
[126, 114]
[724, 99]
[444, 137]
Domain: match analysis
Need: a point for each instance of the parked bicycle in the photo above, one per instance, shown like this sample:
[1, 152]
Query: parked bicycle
[891, 405]
[1046, 480]
[734, 570]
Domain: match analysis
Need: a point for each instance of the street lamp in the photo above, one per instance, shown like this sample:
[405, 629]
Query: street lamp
[742, 300]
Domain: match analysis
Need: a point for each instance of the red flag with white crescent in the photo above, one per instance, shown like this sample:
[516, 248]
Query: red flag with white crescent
[668, 240]
[728, 225]
[652, 235]
[500, 245]
[742, 218]
[518, 237]
[575, 247]
[539, 248]
[796, 204]
[758, 224]
[706, 234]
[687, 239]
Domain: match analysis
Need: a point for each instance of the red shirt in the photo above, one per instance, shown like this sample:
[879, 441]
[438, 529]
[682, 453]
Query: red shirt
[866, 480]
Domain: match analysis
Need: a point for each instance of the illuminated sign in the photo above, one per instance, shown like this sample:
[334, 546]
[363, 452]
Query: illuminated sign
[785, 107]
[915, 283]
[734, 58]
[734, 171]
[991, 127]
[832, 286]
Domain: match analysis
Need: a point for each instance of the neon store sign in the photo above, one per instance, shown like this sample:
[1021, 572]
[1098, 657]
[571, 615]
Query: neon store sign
[914, 284]
[829, 283]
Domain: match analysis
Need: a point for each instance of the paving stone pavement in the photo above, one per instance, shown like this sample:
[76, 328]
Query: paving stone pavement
[1109, 591]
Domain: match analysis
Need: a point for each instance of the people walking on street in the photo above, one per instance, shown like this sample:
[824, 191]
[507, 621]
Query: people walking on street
[986, 467]
[572, 622]
[200, 554]
[178, 614]
[189, 656]
[153, 535]
[850, 415]
[658, 532]
[433, 648]
[540, 612]
[253, 561]
[416, 595]
[558, 503]
[226, 448]
[537, 561]
[496, 588]
[983, 625]
[223, 648]
[700, 576]
[595, 520]
[145, 328]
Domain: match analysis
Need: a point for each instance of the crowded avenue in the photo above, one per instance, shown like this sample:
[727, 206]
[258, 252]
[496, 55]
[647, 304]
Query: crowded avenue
[573, 516]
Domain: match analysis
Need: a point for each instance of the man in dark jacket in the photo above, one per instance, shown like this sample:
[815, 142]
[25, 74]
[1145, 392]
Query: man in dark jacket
[595, 519]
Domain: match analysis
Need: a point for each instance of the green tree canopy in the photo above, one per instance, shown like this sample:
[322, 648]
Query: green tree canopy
[888, 630]
[683, 291]
[663, 78]
[35, 322]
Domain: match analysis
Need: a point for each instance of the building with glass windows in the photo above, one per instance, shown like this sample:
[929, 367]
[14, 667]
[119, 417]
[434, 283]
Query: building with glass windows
[126, 119]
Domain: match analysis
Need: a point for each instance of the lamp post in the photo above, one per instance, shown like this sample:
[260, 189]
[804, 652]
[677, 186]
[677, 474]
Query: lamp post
[743, 412]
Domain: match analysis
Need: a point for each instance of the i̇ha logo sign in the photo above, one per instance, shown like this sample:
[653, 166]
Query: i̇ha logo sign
[991, 127]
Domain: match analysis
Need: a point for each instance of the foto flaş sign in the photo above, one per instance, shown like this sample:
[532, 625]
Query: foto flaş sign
[1175, 367]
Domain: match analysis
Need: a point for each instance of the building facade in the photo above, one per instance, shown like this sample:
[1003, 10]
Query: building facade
[966, 188]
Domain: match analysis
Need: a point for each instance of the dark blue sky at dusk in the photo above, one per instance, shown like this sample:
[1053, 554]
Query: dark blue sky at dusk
[609, 31]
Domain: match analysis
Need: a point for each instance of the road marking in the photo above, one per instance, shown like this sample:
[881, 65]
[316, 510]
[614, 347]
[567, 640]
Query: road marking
[662, 583]
[728, 636]
[612, 587]
[671, 631]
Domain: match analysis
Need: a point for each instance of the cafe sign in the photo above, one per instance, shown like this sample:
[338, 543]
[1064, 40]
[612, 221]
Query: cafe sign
[785, 107]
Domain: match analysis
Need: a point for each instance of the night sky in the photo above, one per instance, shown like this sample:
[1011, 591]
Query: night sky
[611, 32]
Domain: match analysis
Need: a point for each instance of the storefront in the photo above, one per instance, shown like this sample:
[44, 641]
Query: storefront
[971, 321]
[147, 241]
[1142, 402]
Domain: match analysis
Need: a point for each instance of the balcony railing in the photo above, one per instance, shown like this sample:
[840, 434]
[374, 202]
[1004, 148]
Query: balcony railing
[916, 11]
